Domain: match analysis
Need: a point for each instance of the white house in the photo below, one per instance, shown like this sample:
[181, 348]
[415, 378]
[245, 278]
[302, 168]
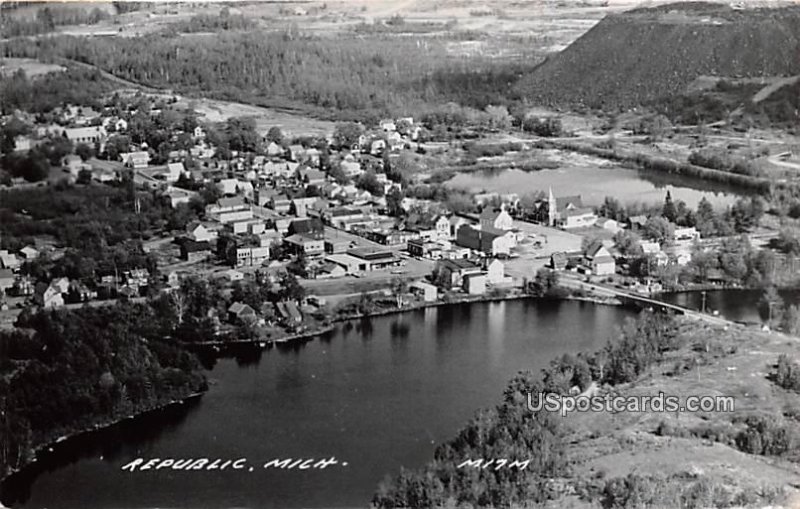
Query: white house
[686, 234]
[442, 228]
[496, 218]
[199, 233]
[174, 172]
[609, 224]
[227, 186]
[599, 260]
[496, 273]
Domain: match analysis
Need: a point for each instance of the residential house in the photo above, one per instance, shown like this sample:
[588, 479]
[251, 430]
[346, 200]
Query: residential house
[637, 222]
[456, 222]
[329, 270]
[650, 247]
[351, 169]
[450, 273]
[198, 232]
[568, 212]
[173, 280]
[442, 227]
[137, 278]
[81, 292]
[274, 150]
[233, 275]
[228, 187]
[488, 241]
[250, 255]
[474, 284]
[136, 160]
[426, 291]
[686, 234]
[377, 147]
[239, 312]
[174, 172]
[558, 261]
[86, 135]
[599, 260]
[7, 279]
[496, 273]
[48, 296]
[9, 260]
[296, 152]
[72, 164]
[280, 203]
[312, 157]
[194, 251]
[176, 195]
[609, 224]
[299, 206]
[310, 227]
[62, 284]
[288, 312]
[29, 253]
[496, 218]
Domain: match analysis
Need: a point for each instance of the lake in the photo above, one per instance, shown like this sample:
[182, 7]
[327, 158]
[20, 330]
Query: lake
[378, 394]
[595, 183]
[737, 305]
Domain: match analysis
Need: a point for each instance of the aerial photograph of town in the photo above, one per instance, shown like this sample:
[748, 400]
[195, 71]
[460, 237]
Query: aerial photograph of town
[400, 254]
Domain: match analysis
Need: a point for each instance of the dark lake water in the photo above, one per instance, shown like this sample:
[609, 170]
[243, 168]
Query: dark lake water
[737, 305]
[379, 394]
[595, 183]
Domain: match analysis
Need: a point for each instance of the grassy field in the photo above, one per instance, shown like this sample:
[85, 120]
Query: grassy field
[32, 68]
[716, 361]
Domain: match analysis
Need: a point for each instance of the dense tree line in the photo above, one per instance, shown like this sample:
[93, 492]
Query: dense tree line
[510, 430]
[388, 75]
[81, 87]
[211, 23]
[98, 225]
[65, 371]
[47, 19]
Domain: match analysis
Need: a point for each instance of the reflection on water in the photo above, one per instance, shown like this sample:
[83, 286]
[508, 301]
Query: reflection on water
[112, 445]
[381, 397]
[594, 184]
[736, 305]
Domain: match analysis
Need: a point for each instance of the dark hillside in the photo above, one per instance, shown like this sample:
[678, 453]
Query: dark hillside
[648, 54]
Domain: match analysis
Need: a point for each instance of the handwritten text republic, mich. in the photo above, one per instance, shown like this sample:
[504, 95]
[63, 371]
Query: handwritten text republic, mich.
[206, 464]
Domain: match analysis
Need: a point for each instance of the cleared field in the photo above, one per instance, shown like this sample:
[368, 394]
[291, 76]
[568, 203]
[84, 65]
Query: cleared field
[220, 111]
[32, 68]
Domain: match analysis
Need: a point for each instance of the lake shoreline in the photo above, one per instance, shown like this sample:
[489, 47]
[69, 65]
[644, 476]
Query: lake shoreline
[303, 336]
[109, 423]
[99, 426]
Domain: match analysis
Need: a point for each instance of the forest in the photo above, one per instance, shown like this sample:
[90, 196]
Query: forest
[83, 87]
[348, 79]
[512, 431]
[97, 225]
[67, 370]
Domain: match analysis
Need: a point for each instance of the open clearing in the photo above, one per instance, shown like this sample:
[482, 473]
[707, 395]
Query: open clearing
[32, 68]
[220, 111]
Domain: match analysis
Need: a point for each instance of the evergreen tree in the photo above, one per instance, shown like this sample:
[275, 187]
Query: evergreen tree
[669, 211]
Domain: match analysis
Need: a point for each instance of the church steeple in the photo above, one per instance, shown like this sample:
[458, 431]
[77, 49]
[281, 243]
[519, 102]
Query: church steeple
[551, 207]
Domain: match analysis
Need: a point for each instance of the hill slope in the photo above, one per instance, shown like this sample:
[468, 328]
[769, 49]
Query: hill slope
[648, 54]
